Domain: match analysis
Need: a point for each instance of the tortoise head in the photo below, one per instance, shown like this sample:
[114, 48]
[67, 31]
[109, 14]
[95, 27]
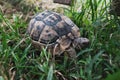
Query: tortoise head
[80, 43]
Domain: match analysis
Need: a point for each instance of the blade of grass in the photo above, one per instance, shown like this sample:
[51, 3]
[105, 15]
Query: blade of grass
[90, 66]
[84, 51]
[6, 21]
[50, 73]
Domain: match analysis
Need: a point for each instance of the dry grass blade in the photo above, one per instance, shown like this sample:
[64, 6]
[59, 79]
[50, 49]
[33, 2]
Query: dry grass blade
[60, 75]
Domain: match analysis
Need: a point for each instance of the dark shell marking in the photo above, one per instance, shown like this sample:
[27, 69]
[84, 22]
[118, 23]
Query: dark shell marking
[52, 20]
[47, 27]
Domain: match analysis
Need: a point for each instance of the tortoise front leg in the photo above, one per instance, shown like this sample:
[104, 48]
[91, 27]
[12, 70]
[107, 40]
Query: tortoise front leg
[72, 53]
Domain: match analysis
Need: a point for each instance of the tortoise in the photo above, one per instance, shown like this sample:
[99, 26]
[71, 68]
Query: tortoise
[55, 32]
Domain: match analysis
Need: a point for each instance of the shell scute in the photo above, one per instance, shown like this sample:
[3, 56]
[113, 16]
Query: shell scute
[52, 19]
[48, 35]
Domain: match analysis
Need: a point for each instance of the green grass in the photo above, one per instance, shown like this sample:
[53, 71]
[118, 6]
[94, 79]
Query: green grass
[19, 60]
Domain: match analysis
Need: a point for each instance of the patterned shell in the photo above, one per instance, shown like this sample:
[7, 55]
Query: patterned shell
[48, 27]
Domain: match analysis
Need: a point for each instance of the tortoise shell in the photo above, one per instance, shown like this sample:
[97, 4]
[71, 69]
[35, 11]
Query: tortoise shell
[50, 28]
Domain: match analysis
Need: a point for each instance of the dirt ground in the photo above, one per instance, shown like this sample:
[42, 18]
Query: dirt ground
[42, 4]
[26, 8]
